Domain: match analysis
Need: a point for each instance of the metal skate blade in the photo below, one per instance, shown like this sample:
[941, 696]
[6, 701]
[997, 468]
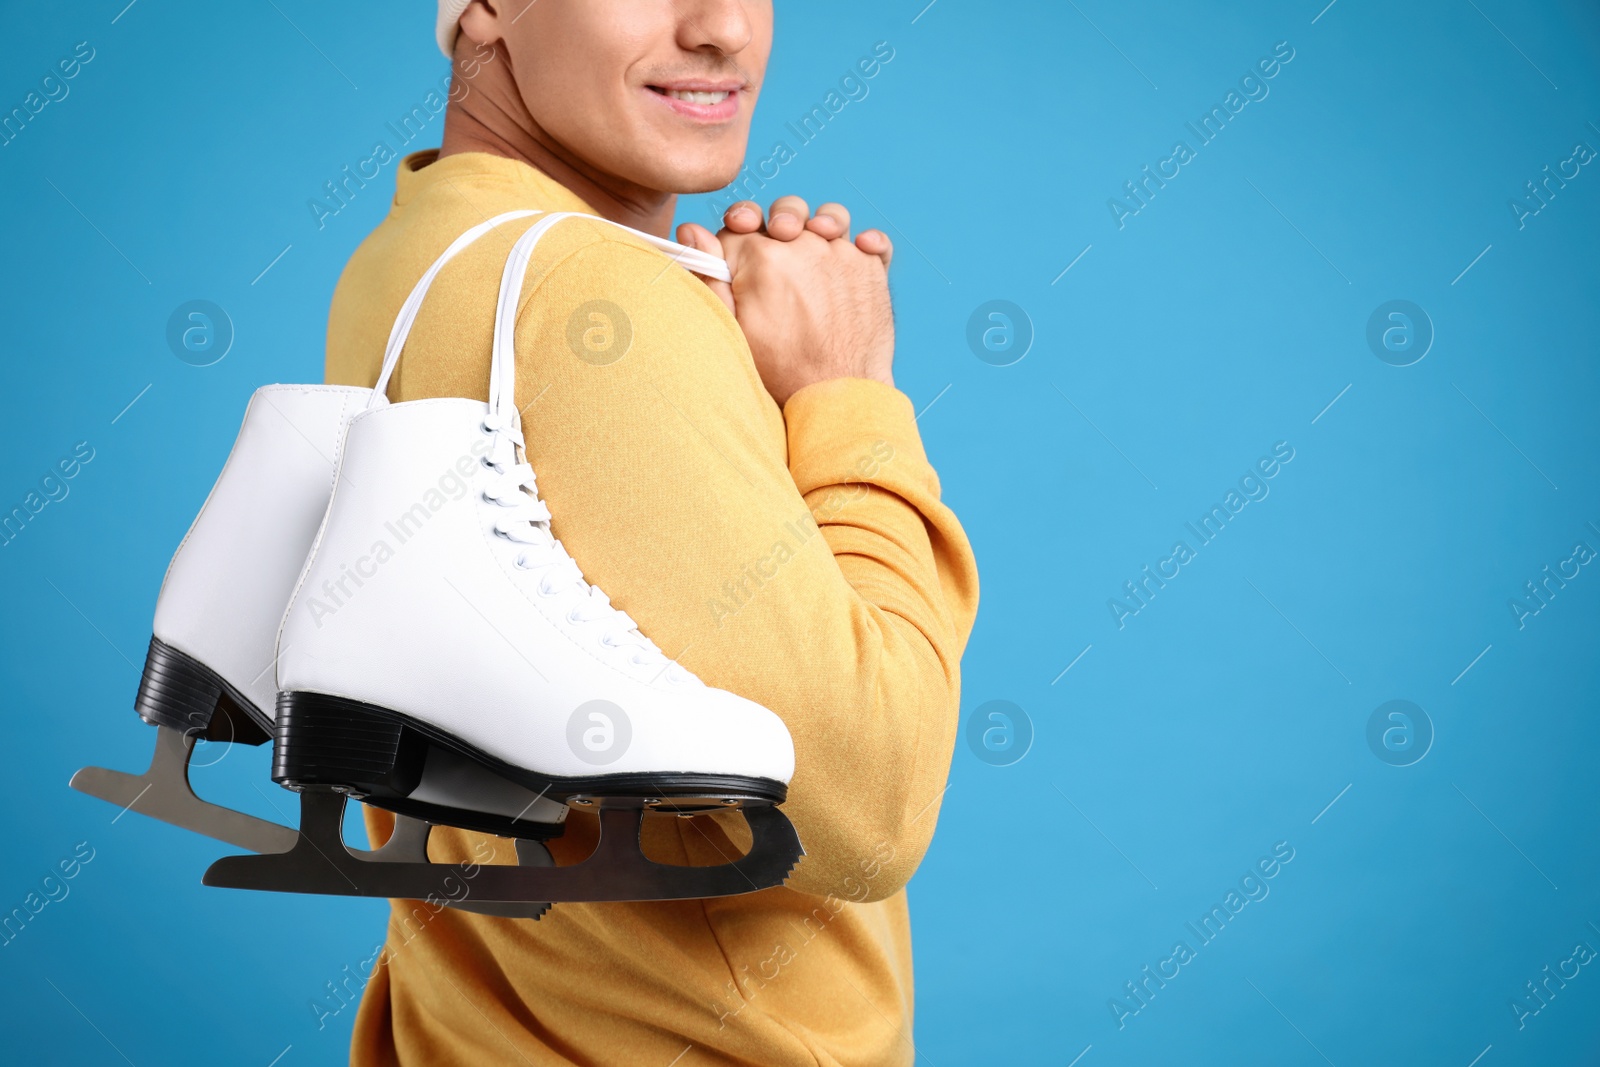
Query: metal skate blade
[409, 844]
[529, 854]
[616, 871]
[320, 862]
[163, 792]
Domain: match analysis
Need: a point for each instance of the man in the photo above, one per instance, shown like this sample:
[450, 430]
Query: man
[733, 465]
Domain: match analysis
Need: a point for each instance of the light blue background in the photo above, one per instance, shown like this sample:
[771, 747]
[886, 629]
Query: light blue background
[1225, 316]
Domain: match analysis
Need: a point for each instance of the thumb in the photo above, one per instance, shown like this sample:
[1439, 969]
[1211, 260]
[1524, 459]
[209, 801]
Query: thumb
[698, 237]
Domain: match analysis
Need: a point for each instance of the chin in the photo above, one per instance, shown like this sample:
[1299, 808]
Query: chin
[695, 170]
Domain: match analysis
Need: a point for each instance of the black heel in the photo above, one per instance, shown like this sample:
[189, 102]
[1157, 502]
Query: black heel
[180, 692]
[325, 740]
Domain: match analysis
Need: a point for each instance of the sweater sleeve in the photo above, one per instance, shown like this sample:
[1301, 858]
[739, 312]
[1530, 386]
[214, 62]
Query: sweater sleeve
[801, 557]
[900, 603]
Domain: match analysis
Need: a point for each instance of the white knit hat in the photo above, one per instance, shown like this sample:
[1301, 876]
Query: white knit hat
[450, 12]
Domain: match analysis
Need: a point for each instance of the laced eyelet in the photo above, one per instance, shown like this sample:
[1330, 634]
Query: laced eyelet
[605, 639]
[572, 617]
[542, 591]
[488, 463]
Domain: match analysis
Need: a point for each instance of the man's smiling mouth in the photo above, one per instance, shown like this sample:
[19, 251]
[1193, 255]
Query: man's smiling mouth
[694, 96]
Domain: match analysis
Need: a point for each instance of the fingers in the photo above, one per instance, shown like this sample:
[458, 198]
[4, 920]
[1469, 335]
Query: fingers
[791, 216]
[876, 243]
[743, 217]
[698, 237]
[831, 221]
[788, 218]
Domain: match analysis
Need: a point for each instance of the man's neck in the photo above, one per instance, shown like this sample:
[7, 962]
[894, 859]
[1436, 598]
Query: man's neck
[492, 118]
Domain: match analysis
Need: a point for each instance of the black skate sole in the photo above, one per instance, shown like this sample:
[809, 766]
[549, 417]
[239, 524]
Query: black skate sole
[379, 755]
[481, 822]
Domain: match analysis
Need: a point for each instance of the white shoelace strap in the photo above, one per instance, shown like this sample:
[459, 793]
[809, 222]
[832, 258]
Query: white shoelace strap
[503, 366]
[408, 311]
[690, 258]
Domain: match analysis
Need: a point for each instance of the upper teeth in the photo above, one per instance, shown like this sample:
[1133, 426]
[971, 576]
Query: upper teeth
[695, 96]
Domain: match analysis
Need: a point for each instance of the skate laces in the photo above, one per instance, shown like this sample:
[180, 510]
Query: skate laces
[526, 522]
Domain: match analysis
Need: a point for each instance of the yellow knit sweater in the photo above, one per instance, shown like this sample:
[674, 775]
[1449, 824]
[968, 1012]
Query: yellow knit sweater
[798, 556]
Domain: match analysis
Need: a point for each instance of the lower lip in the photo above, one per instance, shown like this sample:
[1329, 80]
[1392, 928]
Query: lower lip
[701, 112]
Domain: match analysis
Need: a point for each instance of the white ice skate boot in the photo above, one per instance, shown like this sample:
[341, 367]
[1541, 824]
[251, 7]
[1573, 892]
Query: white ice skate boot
[443, 649]
[210, 671]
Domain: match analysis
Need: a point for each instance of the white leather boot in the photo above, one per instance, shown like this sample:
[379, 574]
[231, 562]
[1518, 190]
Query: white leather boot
[443, 646]
[210, 670]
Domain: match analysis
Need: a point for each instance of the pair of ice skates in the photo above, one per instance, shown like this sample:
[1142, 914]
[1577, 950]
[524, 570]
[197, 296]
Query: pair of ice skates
[441, 656]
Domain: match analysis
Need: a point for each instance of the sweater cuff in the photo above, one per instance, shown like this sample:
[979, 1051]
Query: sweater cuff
[847, 430]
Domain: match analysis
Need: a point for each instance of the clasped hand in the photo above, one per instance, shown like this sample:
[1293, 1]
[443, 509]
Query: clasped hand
[813, 303]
